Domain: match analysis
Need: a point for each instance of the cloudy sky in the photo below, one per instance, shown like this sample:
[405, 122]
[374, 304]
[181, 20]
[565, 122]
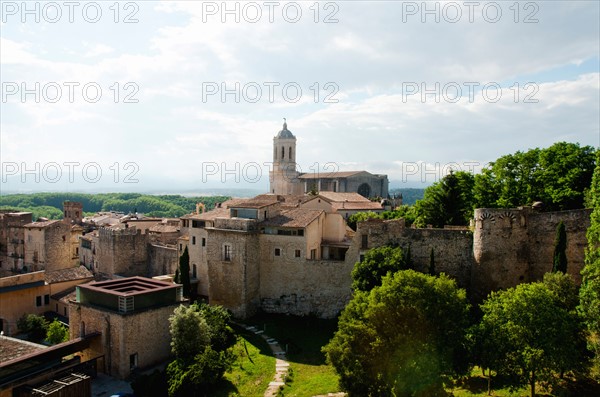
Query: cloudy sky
[183, 95]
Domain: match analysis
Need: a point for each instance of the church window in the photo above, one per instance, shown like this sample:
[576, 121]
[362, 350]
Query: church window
[282, 152]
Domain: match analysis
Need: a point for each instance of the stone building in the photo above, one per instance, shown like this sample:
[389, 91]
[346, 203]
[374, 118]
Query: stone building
[30, 293]
[12, 240]
[286, 180]
[132, 316]
[51, 245]
[72, 213]
[345, 204]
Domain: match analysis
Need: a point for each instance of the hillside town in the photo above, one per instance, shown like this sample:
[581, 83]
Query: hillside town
[289, 251]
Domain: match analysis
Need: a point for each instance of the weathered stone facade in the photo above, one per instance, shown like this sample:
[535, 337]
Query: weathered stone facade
[122, 251]
[512, 246]
[51, 245]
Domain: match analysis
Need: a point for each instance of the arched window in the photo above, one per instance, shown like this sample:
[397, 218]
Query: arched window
[290, 153]
[282, 152]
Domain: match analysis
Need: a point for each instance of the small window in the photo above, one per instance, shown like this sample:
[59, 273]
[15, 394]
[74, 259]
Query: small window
[313, 254]
[38, 301]
[46, 299]
[77, 214]
[65, 311]
[180, 247]
[64, 238]
[365, 241]
[203, 242]
[277, 252]
[133, 361]
[297, 253]
[301, 232]
[194, 272]
[227, 252]
[193, 240]
[362, 258]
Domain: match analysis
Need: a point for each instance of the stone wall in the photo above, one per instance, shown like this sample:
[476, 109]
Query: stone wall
[512, 246]
[162, 260]
[234, 283]
[453, 248]
[122, 251]
[121, 336]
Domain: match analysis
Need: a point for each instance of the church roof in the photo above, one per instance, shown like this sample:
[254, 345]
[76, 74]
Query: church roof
[285, 133]
[329, 175]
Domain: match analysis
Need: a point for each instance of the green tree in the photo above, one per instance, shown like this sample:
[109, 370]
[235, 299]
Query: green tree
[189, 333]
[360, 217]
[184, 272]
[201, 343]
[431, 262]
[400, 338]
[558, 176]
[447, 202]
[560, 249]
[530, 335]
[589, 292]
[57, 333]
[34, 325]
[377, 263]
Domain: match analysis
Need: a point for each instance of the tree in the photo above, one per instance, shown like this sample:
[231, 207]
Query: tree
[448, 202]
[560, 249]
[400, 338]
[201, 343]
[184, 272]
[360, 217]
[57, 333]
[377, 263]
[589, 293]
[189, 333]
[558, 176]
[35, 326]
[529, 334]
[431, 262]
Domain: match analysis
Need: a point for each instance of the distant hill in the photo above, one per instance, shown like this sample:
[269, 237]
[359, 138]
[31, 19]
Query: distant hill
[409, 195]
[50, 205]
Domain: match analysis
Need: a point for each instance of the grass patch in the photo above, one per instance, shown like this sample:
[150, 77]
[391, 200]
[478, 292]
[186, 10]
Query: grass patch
[304, 338]
[249, 378]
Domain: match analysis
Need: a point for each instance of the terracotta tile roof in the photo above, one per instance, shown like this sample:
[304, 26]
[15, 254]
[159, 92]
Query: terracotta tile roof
[66, 295]
[11, 348]
[341, 197]
[256, 202]
[42, 224]
[211, 215]
[73, 273]
[297, 217]
[293, 201]
[329, 175]
[164, 229]
[369, 205]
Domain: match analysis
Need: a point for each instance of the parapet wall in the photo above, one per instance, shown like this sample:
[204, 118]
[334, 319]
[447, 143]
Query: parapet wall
[452, 248]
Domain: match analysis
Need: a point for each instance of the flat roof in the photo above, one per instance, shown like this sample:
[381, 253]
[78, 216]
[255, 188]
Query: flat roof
[129, 286]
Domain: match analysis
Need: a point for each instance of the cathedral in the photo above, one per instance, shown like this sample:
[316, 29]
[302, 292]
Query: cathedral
[285, 179]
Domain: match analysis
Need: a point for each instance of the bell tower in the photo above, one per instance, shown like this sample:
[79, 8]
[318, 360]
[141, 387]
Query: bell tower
[284, 177]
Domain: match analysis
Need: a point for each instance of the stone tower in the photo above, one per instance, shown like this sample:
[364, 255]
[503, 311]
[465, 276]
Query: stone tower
[72, 212]
[284, 177]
